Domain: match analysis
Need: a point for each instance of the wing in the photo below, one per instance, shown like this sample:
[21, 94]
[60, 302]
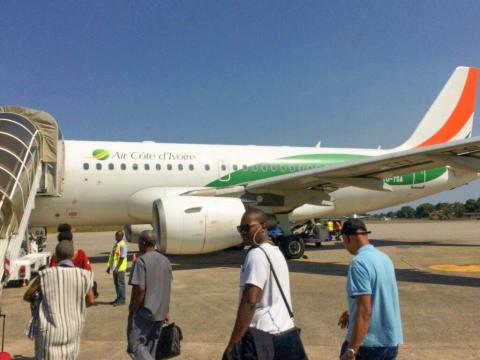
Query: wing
[366, 173]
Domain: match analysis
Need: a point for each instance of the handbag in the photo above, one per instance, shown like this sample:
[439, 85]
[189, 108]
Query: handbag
[257, 344]
[169, 342]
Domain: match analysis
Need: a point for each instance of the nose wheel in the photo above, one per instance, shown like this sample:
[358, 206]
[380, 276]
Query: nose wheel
[292, 246]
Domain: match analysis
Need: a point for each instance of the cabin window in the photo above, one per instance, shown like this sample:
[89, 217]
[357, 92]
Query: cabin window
[207, 167]
[147, 167]
[301, 167]
[180, 167]
[98, 166]
[292, 167]
[169, 167]
[235, 167]
[255, 168]
[224, 168]
[273, 167]
[245, 167]
[86, 166]
[191, 167]
[264, 167]
[135, 166]
[158, 167]
[123, 166]
[283, 168]
[111, 166]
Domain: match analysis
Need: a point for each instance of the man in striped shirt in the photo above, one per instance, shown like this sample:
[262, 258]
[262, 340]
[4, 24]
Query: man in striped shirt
[58, 320]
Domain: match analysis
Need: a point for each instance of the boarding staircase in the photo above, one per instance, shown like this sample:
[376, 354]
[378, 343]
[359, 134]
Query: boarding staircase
[28, 155]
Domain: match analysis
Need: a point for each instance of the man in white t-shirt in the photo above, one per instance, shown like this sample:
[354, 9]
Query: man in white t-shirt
[262, 306]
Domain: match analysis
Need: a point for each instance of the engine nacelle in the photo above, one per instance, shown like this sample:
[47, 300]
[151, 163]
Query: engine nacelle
[196, 225]
[132, 232]
[309, 211]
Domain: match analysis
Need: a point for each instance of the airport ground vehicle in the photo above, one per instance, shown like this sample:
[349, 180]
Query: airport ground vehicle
[313, 231]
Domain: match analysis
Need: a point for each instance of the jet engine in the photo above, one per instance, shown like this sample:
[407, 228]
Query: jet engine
[196, 225]
[132, 232]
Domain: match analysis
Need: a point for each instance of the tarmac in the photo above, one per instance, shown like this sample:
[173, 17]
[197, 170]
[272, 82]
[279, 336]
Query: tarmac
[440, 309]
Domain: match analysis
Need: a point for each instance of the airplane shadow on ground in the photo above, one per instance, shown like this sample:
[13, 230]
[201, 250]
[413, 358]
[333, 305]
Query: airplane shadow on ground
[397, 243]
[407, 275]
[103, 258]
[234, 258]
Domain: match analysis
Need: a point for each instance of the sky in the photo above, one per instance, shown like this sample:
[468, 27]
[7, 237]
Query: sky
[346, 73]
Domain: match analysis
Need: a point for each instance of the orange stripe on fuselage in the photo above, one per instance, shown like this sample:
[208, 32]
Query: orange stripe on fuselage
[459, 117]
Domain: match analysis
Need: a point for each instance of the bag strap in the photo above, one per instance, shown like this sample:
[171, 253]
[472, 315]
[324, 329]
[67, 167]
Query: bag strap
[290, 312]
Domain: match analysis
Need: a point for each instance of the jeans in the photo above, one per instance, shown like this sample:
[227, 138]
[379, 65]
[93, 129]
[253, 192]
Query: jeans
[289, 346]
[373, 353]
[142, 336]
[119, 281]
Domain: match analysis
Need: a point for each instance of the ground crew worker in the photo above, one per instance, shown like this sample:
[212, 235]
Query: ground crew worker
[337, 227]
[117, 263]
[330, 229]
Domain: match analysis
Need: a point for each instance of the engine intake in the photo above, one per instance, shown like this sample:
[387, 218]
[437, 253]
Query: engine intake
[196, 225]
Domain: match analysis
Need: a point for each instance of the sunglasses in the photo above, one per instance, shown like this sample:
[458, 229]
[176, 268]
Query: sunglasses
[245, 228]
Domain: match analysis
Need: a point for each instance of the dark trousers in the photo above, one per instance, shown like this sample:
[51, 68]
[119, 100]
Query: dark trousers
[142, 337]
[260, 345]
[119, 281]
[373, 353]
[289, 346]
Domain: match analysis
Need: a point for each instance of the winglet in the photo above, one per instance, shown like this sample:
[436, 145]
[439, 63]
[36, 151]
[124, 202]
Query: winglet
[451, 115]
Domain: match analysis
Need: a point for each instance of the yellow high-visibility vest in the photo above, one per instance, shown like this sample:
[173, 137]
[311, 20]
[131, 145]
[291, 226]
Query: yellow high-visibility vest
[115, 255]
[330, 226]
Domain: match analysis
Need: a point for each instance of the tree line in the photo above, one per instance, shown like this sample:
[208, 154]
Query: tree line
[441, 210]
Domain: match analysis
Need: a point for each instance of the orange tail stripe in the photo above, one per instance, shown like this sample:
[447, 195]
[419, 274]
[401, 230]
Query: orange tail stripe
[459, 117]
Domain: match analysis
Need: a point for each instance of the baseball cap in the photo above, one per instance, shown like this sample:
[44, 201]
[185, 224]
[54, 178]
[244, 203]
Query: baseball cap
[352, 227]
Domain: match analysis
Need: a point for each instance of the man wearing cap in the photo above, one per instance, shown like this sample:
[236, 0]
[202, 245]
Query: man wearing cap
[373, 318]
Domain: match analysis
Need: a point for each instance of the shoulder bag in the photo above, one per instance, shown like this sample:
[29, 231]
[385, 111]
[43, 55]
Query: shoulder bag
[169, 342]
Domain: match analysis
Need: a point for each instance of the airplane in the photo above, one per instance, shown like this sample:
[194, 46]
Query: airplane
[194, 195]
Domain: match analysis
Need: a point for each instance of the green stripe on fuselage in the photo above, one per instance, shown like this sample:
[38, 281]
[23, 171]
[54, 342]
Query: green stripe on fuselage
[293, 164]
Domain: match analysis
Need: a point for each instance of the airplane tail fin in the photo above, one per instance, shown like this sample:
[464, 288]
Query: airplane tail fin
[450, 117]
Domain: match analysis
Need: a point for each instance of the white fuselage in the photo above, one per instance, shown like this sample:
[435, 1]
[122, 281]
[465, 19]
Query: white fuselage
[100, 196]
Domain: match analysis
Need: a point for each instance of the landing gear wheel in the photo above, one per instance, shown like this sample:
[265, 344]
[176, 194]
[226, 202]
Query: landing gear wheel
[292, 247]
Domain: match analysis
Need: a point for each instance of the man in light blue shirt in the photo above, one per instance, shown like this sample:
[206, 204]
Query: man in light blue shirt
[373, 318]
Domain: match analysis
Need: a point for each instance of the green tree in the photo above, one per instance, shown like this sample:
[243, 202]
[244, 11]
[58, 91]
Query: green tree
[444, 209]
[471, 205]
[424, 210]
[458, 209]
[406, 212]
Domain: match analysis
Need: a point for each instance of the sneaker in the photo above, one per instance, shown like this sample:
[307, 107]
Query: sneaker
[113, 302]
